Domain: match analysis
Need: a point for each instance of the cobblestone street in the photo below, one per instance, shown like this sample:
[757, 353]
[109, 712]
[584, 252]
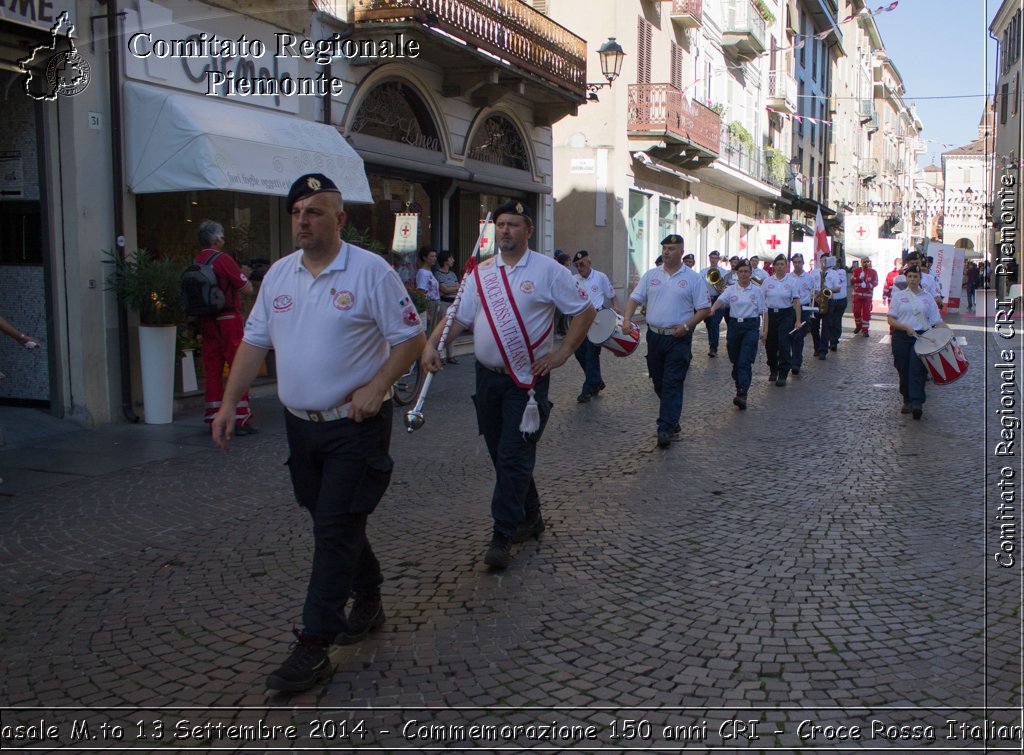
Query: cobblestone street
[818, 558]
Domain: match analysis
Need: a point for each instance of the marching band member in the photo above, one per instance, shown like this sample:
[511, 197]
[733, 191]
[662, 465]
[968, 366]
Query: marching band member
[863, 283]
[832, 321]
[677, 300]
[714, 320]
[510, 301]
[805, 288]
[746, 304]
[689, 260]
[782, 299]
[602, 295]
[757, 274]
[731, 277]
[911, 313]
[929, 282]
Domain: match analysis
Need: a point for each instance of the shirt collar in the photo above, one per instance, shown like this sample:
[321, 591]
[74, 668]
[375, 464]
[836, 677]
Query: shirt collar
[523, 261]
[339, 263]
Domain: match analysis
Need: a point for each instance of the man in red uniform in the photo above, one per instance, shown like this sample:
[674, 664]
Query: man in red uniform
[864, 281]
[223, 331]
[897, 267]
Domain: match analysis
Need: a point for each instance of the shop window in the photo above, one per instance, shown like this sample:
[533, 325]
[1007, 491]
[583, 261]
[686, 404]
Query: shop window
[499, 142]
[395, 112]
[21, 234]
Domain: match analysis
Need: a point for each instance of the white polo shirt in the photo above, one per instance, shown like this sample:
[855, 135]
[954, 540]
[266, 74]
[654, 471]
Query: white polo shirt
[805, 285]
[539, 286]
[930, 283]
[671, 299]
[918, 311]
[835, 279]
[779, 294]
[598, 288]
[743, 303]
[332, 333]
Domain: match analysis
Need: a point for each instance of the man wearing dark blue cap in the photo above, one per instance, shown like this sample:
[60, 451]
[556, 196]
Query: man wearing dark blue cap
[510, 301]
[677, 300]
[344, 329]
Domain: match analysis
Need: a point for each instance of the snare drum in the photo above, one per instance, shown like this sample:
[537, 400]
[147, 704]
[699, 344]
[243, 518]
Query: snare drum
[941, 354]
[606, 331]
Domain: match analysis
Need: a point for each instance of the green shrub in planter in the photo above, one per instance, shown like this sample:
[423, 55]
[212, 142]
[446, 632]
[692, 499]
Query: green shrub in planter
[149, 285]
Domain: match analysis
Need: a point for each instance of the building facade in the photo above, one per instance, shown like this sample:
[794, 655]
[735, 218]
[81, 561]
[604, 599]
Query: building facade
[1005, 174]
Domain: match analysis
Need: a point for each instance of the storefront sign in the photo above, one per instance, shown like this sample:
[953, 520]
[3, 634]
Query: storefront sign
[582, 165]
[39, 14]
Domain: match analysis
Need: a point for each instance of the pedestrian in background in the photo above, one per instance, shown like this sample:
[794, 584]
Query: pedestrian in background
[863, 282]
[448, 282]
[515, 357]
[428, 284]
[344, 329]
[25, 341]
[222, 332]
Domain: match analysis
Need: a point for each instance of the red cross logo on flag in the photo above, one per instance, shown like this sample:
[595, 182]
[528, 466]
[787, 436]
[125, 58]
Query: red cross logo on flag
[405, 230]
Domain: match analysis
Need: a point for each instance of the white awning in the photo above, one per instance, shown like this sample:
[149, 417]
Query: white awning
[179, 142]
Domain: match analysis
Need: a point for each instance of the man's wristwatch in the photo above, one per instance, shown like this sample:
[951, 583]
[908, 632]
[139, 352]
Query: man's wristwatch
[687, 326]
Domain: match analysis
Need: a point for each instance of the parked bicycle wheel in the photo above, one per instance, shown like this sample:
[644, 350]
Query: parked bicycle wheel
[408, 386]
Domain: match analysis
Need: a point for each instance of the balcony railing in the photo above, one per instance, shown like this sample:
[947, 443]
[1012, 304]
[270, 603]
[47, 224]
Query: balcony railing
[687, 14]
[865, 109]
[510, 29]
[749, 161]
[782, 90]
[745, 29]
[662, 109]
[867, 167]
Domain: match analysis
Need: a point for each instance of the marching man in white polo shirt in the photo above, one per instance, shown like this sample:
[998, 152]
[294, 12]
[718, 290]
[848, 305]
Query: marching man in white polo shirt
[602, 295]
[677, 301]
[344, 329]
[510, 300]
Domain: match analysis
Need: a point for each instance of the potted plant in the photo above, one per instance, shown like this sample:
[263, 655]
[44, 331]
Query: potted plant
[151, 287]
[741, 136]
[776, 162]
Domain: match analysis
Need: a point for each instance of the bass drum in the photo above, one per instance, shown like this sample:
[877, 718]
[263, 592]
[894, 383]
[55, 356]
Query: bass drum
[942, 355]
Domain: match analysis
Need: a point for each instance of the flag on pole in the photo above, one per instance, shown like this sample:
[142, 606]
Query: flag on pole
[821, 240]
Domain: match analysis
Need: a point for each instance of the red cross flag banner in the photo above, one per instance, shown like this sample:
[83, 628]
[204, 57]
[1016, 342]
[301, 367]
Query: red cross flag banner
[772, 240]
[406, 232]
[486, 239]
[861, 235]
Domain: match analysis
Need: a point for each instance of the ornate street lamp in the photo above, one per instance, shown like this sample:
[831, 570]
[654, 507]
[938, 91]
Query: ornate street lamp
[611, 55]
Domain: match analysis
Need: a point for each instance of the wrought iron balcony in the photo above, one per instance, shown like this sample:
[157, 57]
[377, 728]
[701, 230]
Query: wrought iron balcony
[752, 162]
[660, 110]
[687, 14]
[866, 110]
[508, 29]
[745, 30]
[782, 91]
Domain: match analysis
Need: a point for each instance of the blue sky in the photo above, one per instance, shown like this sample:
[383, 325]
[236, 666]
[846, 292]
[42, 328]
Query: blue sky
[939, 48]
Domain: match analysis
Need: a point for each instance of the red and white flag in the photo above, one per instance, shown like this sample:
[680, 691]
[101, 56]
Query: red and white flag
[772, 239]
[822, 243]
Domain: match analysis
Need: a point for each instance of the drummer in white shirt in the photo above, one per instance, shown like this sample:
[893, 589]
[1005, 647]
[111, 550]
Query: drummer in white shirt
[911, 313]
[602, 295]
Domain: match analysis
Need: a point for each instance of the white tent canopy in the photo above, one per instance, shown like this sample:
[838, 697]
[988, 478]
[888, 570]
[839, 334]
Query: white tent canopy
[178, 142]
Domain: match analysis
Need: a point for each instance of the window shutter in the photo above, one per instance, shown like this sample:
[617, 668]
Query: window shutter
[645, 33]
[541, 5]
[676, 71]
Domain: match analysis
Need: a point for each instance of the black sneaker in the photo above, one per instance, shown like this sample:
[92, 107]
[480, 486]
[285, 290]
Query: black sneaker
[916, 412]
[781, 381]
[713, 353]
[584, 397]
[905, 409]
[772, 377]
[795, 370]
[664, 439]
[740, 401]
[246, 430]
[676, 429]
[365, 616]
[599, 388]
[499, 552]
[307, 665]
[866, 334]
[532, 526]
[832, 348]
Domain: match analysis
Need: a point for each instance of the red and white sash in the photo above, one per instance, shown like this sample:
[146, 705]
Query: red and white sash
[506, 322]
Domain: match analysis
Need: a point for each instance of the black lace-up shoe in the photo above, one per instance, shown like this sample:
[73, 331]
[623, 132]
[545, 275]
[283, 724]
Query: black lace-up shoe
[531, 527]
[499, 552]
[365, 616]
[307, 665]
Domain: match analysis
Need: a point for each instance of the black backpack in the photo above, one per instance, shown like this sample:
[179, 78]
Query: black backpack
[200, 294]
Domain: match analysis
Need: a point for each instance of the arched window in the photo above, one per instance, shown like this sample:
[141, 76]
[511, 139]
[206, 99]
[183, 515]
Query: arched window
[395, 112]
[498, 142]
[964, 244]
